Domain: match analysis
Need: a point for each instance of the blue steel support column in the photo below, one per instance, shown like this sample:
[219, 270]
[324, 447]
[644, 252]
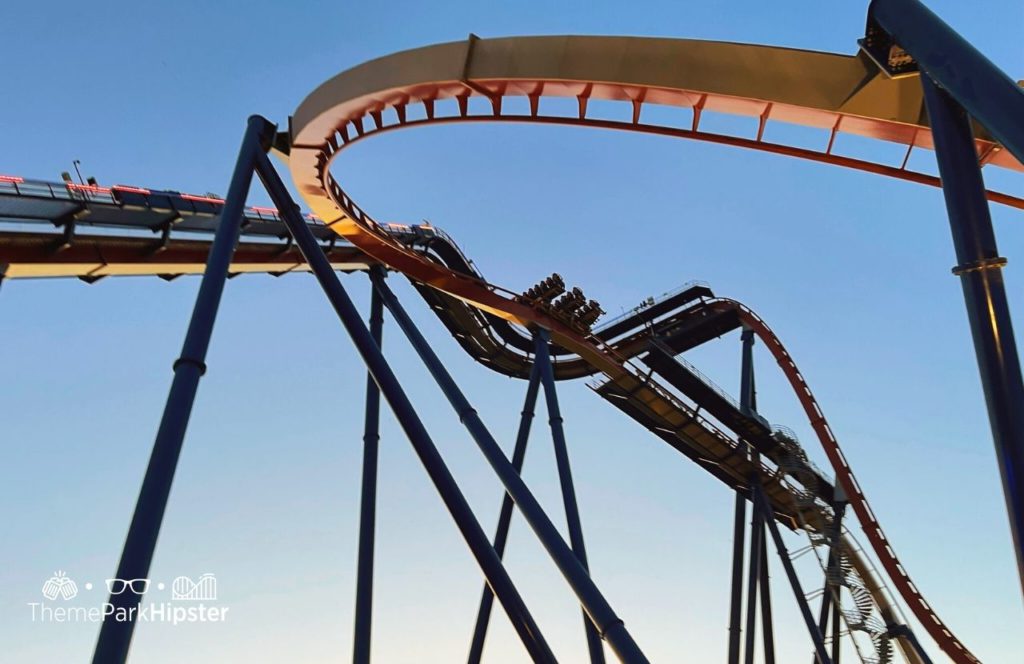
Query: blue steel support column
[970, 81]
[754, 572]
[767, 626]
[600, 612]
[748, 391]
[410, 422]
[116, 636]
[368, 500]
[736, 602]
[740, 510]
[762, 506]
[984, 293]
[748, 405]
[483, 616]
[542, 356]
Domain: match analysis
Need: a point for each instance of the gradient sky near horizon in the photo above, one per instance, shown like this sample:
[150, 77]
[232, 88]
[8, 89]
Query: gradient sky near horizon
[851, 270]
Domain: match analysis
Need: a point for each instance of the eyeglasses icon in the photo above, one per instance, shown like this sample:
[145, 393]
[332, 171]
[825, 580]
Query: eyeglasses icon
[118, 586]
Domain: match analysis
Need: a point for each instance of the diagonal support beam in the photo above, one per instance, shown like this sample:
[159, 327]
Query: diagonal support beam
[483, 617]
[542, 357]
[762, 507]
[137, 556]
[594, 603]
[495, 573]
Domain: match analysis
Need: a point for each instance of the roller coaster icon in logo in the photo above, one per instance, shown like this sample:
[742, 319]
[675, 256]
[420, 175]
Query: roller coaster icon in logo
[59, 585]
[205, 588]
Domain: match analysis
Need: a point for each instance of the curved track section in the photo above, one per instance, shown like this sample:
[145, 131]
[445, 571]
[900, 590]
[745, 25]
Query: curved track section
[474, 331]
[507, 348]
[838, 93]
[471, 331]
[855, 495]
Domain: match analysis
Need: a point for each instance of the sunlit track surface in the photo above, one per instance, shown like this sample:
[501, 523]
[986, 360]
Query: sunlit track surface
[50, 229]
[843, 94]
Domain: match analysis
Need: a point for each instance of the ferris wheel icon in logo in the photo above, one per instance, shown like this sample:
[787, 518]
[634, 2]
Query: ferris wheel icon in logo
[59, 585]
[205, 588]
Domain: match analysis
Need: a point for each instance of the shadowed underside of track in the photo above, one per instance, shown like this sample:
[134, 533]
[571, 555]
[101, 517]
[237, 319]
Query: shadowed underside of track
[91, 232]
[93, 257]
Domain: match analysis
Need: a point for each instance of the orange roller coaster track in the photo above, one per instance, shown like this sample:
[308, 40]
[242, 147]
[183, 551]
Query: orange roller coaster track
[838, 93]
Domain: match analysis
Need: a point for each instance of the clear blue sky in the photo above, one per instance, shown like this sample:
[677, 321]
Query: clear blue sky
[851, 270]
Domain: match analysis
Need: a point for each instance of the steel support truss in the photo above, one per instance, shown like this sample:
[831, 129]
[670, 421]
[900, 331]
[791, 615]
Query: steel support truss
[601, 620]
[540, 372]
[572, 561]
[958, 84]
[762, 518]
[137, 555]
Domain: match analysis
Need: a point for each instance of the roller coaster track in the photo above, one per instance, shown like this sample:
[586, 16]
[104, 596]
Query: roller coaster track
[844, 473]
[843, 94]
[837, 93]
[500, 345]
[854, 493]
[50, 229]
[497, 344]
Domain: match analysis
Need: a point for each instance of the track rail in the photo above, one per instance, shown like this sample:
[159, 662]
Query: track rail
[880, 544]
